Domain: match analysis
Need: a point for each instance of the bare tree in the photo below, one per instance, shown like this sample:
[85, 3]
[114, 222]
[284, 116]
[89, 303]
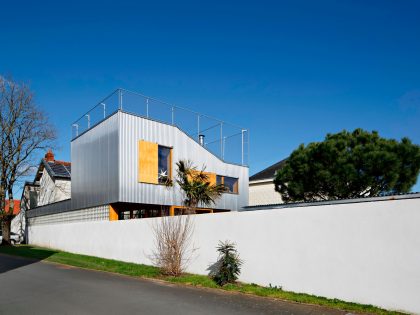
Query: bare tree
[173, 244]
[173, 235]
[25, 129]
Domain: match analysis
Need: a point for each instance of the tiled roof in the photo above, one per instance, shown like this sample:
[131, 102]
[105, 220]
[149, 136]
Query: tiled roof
[269, 172]
[16, 206]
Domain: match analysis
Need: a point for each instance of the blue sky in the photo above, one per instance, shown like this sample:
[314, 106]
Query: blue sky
[290, 71]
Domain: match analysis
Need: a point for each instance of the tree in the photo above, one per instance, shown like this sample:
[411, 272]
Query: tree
[25, 130]
[173, 235]
[349, 165]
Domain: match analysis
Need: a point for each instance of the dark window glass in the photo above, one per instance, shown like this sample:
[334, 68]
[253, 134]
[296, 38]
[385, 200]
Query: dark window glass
[219, 180]
[164, 167]
[231, 184]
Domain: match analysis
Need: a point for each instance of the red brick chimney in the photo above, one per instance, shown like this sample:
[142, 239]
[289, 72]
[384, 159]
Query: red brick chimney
[49, 156]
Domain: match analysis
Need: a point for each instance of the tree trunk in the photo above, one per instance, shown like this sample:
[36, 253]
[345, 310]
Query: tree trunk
[6, 223]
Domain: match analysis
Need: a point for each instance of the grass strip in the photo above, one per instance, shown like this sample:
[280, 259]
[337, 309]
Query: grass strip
[137, 270]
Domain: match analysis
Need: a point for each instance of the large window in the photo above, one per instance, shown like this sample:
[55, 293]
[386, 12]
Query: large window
[164, 164]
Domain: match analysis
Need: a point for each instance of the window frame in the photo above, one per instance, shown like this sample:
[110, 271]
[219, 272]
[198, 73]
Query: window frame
[169, 176]
[222, 178]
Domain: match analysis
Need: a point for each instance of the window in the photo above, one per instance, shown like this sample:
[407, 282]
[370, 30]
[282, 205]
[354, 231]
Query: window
[164, 164]
[230, 183]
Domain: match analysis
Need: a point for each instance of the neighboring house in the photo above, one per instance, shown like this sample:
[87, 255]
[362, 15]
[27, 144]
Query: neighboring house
[28, 200]
[52, 183]
[15, 226]
[120, 167]
[261, 186]
[53, 179]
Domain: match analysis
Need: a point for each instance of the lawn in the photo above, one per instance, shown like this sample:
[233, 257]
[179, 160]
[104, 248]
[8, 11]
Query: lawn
[145, 271]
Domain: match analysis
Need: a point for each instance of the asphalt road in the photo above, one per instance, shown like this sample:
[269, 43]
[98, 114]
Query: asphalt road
[31, 287]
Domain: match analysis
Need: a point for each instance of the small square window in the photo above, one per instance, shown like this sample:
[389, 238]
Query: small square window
[231, 184]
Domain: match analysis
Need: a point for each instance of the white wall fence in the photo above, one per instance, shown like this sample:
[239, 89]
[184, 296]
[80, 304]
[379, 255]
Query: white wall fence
[365, 252]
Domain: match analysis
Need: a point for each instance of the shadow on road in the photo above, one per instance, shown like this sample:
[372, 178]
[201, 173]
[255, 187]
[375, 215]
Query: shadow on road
[13, 257]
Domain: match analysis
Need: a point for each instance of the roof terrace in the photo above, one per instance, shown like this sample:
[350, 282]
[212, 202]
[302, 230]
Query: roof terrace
[227, 141]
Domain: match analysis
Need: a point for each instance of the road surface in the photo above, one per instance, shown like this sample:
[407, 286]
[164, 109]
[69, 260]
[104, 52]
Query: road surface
[36, 287]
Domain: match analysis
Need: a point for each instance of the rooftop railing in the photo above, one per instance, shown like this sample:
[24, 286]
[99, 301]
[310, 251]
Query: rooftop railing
[227, 141]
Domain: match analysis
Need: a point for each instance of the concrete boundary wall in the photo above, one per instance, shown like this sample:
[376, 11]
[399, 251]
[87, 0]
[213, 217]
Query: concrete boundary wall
[362, 252]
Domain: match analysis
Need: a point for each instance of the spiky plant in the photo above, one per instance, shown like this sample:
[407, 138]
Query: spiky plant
[228, 266]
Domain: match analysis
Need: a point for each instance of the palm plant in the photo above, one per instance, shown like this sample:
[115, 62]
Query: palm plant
[196, 186]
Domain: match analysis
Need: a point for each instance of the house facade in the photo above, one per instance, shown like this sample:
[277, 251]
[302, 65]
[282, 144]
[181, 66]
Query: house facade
[125, 160]
[53, 180]
[261, 186]
[120, 168]
[51, 184]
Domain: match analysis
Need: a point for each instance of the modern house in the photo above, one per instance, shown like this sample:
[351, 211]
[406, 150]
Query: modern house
[119, 169]
[261, 186]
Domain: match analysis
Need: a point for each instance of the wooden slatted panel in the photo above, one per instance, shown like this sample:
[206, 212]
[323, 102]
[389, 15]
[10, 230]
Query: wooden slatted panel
[148, 162]
[210, 176]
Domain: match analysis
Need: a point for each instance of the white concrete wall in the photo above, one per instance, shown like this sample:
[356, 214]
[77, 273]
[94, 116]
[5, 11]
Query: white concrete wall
[262, 192]
[362, 252]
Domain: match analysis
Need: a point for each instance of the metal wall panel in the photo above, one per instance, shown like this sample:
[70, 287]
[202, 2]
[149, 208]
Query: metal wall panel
[94, 156]
[134, 128]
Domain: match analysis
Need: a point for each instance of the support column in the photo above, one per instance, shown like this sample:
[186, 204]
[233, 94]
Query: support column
[113, 214]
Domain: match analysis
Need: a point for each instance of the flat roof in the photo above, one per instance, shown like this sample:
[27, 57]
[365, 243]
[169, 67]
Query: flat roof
[413, 195]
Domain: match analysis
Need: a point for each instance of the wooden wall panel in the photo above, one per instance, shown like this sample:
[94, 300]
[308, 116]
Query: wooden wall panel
[210, 176]
[148, 162]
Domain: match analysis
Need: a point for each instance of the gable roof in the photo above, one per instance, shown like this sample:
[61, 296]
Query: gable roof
[269, 172]
[56, 169]
[59, 169]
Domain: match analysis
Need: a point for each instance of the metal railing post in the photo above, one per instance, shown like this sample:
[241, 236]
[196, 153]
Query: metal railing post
[77, 129]
[224, 146]
[104, 106]
[120, 99]
[88, 120]
[242, 149]
[198, 127]
[221, 139]
[247, 144]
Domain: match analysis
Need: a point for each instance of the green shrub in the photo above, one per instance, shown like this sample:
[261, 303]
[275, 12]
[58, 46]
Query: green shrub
[228, 267]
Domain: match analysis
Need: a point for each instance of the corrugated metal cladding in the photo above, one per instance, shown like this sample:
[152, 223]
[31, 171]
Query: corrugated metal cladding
[134, 128]
[105, 164]
[94, 157]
